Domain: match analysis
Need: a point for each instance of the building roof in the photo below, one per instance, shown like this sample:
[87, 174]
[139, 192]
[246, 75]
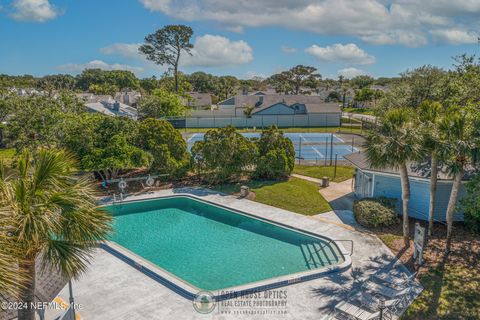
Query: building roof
[323, 108]
[309, 107]
[269, 99]
[200, 99]
[128, 97]
[108, 108]
[415, 169]
[265, 107]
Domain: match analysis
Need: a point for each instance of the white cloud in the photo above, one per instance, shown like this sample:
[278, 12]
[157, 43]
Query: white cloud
[129, 50]
[98, 64]
[34, 10]
[217, 51]
[406, 22]
[208, 51]
[346, 53]
[454, 36]
[351, 72]
[254, 75]
[287, 49]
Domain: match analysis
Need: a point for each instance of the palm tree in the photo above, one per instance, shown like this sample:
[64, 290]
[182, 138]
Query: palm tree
[393, 144]
[429, 118]
[50, 214]
[9, 275]
[460, 131]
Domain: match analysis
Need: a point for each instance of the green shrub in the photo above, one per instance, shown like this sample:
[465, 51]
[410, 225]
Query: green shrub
[166, 145]
[375, 212]
[273, 165]
[470, 204]
[223, 155]
[276, 155]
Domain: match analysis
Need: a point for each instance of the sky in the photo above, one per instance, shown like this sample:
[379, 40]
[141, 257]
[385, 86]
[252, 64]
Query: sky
[243, 38]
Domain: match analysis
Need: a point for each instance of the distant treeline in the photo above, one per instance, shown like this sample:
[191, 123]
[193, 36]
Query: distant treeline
[297, 80]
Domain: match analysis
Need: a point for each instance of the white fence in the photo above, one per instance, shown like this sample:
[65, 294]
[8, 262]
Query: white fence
[260, 121]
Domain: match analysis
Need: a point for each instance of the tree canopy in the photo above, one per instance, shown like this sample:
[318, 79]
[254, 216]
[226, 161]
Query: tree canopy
[293, 80]
[161, 103]
[276, 155]
[223, 155]
[165, 144]
[166, 45]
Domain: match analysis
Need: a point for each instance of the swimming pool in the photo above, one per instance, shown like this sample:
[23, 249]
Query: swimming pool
[198, 245]
[308, 146]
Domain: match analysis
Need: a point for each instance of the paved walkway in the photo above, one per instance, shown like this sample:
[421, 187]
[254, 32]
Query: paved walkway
[311, 179]
[338, 194]
[336, 190]
[111, 289]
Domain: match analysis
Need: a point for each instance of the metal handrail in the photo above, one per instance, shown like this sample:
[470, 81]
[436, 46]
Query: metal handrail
[326, 244]
[135, 178]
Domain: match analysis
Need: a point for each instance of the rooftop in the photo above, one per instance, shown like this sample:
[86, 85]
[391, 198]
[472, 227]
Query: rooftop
[113, 108]
[269, 99]
[415, 169]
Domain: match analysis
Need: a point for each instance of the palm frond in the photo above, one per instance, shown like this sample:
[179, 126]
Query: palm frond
[51, 212]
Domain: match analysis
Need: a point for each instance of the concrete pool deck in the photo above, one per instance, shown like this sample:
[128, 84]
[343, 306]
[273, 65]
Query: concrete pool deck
[111, 289]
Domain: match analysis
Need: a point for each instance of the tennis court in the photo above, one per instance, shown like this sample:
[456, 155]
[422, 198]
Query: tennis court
[308, 146]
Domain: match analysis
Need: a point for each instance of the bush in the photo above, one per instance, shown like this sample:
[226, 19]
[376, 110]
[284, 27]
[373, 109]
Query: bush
[375, 212]
[276, 155]
[161, 103]
[470, 204]
[273, 165]
[223, 155]
[166, 145]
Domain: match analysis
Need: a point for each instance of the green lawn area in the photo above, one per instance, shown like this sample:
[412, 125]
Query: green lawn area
[6, 155]
[359, 110]
[346, 121]
[451, 283]
[451, 292]
[295, 195]
[343, 173]
[295, 129]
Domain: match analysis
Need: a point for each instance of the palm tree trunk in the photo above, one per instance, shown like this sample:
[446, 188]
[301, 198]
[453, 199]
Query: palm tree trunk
[433, 192]
[405, 199]
[452, 203]
[27, 294]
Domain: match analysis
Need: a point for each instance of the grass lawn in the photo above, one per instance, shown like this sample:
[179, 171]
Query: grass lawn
[451, 292]
[295, 129]
[359, 111]
[295, 195]
[6, 155]
[346, 121]
[451, 283]
[343, 173]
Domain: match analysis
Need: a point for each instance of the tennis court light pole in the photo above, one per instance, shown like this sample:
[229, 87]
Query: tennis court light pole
[331, 149]
[326, 150]
[335, 169]
[299, 148]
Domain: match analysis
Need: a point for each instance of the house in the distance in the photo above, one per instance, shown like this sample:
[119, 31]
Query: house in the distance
[372, 183]
[131, 98]
[198, 100]
[260, 100]
[259, 110]
[112, 108]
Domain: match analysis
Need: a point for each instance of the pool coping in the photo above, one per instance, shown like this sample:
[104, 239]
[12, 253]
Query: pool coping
[189, 291]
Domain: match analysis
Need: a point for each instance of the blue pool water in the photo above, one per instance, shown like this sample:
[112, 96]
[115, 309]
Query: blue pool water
[213, 248]
[308, 146]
